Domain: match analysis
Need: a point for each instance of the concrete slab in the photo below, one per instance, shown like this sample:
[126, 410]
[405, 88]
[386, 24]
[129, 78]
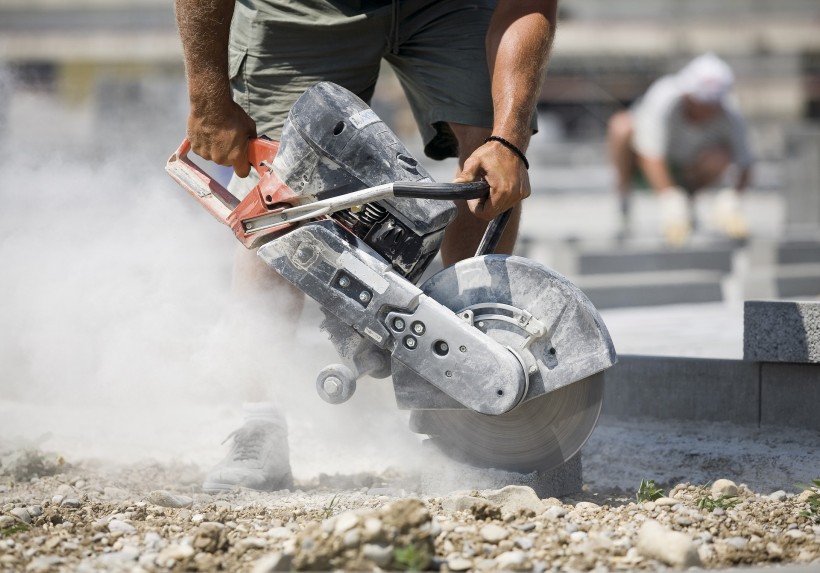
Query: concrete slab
[790, 395]
[666, 387]
[717, 257]
[649, 289]
[442, 475]
[781, 331]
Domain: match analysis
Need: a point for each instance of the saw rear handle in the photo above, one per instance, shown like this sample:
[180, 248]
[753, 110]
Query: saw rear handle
[272, 207]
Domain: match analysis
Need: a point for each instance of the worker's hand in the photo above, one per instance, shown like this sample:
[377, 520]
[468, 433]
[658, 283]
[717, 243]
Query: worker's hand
[221, 134]
[506, 174]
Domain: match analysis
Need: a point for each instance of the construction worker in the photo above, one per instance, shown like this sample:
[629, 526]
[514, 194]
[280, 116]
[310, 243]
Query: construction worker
[681, 137]
[471, 72]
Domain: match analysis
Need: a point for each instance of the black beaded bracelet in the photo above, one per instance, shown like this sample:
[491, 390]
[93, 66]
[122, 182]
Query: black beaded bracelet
[511, 147]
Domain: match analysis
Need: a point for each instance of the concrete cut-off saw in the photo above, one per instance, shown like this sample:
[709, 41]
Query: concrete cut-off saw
[498, 357]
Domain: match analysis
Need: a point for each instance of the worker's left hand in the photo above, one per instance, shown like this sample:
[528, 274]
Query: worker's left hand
[506, 174]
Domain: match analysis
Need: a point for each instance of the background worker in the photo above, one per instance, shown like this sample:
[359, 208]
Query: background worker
[681, 137]
[470, 70]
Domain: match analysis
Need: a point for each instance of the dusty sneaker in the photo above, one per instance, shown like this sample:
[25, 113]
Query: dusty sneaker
[259, 457]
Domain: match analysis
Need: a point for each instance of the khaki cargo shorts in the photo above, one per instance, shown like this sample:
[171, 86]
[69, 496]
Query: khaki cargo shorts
[279, 48]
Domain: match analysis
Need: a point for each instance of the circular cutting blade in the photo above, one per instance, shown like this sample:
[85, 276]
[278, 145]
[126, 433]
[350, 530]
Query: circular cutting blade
[548, 429]
[540, 434]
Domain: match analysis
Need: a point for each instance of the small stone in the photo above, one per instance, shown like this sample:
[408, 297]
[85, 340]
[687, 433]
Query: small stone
[555, 512]
[70, 503]
[511, 559]
[6, 521]
[806, 495]
[724, 488]
[459, 564]
[524, 543]
[372, 527]
[352, 538]
[210, 536]
[251, 543]
[493, 533]
[117, 526]
[666, 502]
[272, 563]
[22, 514]
[57, 499]
[279, 533]
[737, 542]
[381, 555]
[35, 510]
[345, 521]
[779, 495]
[175, 553]
[516, 498]
[587, 506]
[164, 498]
[671, 547]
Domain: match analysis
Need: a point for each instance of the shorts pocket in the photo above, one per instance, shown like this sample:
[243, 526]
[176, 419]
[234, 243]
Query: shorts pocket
[236, 72]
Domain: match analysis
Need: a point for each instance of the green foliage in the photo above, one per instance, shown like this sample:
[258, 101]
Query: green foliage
[330, 507]
[707, 502]
[648, 491]
[813, 512]
[412, 557]
[12, 529]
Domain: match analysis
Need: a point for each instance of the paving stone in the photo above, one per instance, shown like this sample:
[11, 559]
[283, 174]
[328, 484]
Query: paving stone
[781, 331]
[716, 257]
[667, 387]
[790, 395]
[649, 289]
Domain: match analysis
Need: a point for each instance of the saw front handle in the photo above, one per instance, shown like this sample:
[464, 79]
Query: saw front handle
[272, 207]
[270, 193]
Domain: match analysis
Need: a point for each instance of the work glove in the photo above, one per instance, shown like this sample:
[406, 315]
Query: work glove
[727, 214]
[676, 222]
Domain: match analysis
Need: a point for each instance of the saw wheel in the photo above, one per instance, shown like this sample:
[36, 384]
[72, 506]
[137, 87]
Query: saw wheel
[500, 295]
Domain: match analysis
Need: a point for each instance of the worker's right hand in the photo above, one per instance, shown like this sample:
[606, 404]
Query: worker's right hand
[221, 135]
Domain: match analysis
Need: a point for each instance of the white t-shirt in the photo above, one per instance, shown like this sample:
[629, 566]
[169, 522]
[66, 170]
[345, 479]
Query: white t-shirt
[660, 128]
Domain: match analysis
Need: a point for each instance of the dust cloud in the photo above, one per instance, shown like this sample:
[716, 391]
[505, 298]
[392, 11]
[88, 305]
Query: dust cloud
[119, 337]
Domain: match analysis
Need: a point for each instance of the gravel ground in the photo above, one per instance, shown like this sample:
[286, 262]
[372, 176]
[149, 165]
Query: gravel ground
[58, 515]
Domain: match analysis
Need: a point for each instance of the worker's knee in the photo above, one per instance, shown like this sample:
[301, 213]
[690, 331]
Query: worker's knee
[619, 127]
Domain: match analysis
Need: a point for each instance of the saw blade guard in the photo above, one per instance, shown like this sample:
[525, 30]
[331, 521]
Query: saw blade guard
[537, 313]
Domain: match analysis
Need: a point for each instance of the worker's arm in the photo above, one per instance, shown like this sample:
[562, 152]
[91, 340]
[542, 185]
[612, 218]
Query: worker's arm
[656, 172]
[218, 128]
[518, 44]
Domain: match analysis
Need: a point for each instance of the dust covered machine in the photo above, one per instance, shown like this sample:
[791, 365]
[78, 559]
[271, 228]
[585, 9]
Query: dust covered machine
[498, 357]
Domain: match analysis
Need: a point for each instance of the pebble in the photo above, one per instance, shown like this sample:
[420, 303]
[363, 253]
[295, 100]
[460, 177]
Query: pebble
[70, 502]
[516, 498]
[164, 498]
[511, 559]
[22, 514]
[345, 521]
[555, 512]
[381, 555]
[175, 552]
[779, 495]
[493, 533]
[459, 564]
[271, 563]
[117, 526]
[724, 488]
[666, 502]
[671, 547]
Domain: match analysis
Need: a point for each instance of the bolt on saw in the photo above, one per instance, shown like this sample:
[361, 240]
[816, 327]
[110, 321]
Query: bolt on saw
[498, 358]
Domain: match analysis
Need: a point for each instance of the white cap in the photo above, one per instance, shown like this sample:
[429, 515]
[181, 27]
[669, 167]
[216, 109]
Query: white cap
[707, 78]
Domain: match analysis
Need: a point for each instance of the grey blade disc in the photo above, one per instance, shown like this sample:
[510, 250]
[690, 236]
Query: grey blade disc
[546, 430]
[540, 434]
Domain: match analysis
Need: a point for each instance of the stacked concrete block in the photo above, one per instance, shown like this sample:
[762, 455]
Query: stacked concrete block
[784, 338]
